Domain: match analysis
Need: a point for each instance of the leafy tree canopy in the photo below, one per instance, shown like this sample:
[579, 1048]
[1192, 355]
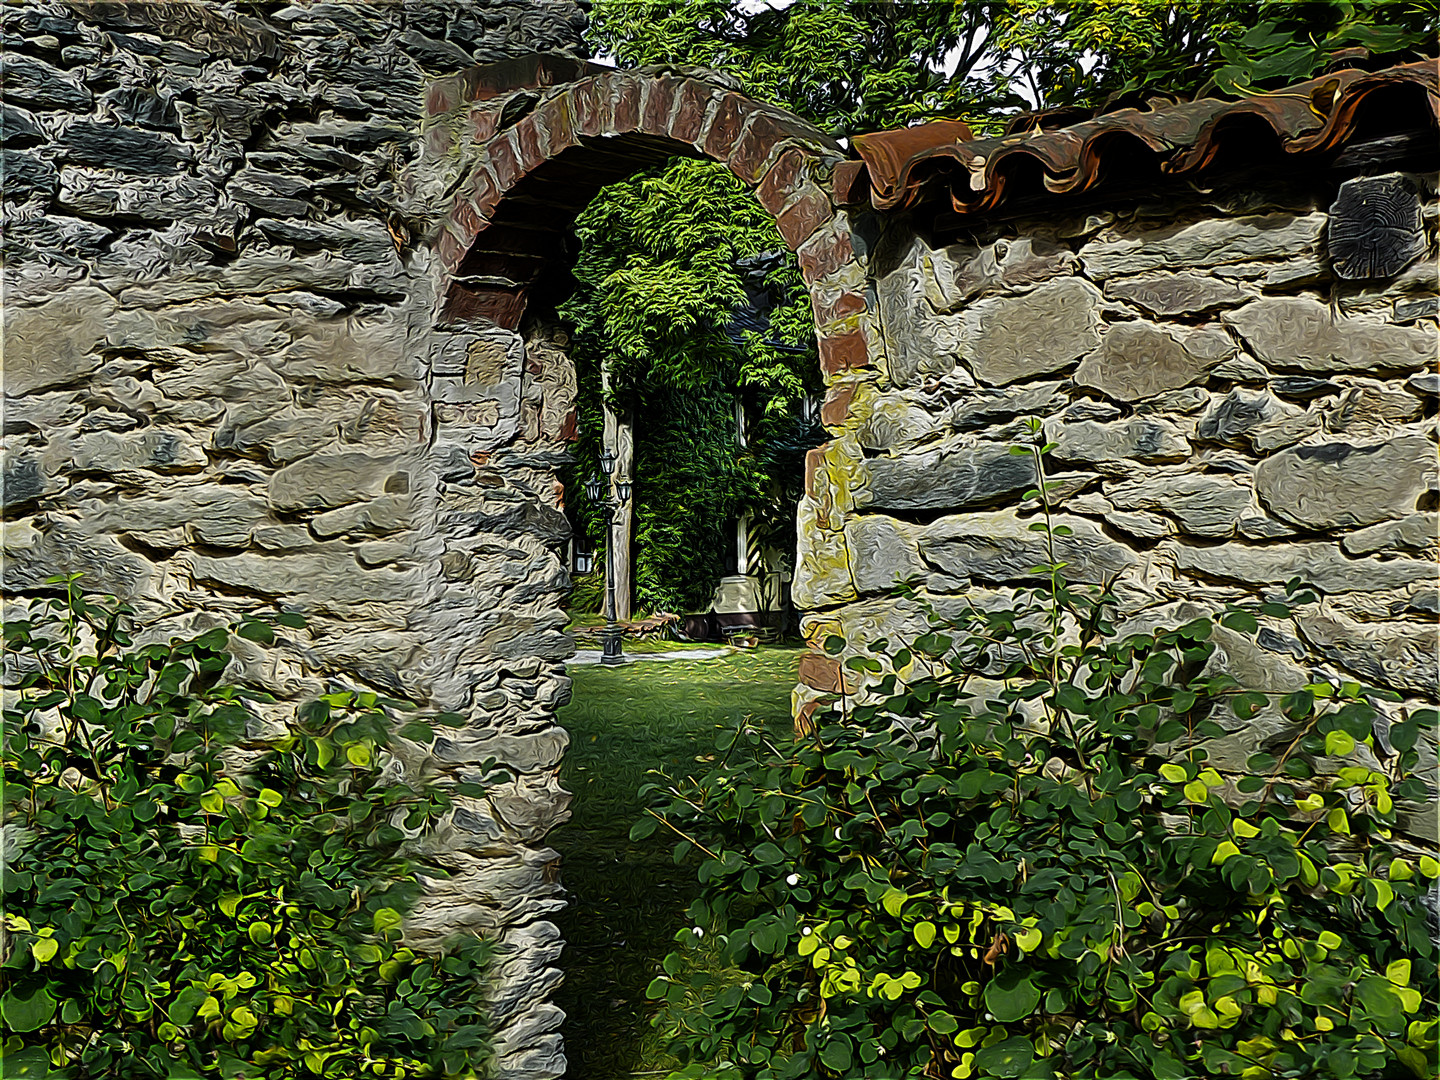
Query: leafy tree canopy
[666, 260]
[854, 67]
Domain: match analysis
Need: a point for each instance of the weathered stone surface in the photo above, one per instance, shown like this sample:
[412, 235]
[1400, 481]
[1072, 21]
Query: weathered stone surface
[1425, 382]
[1263, 527]
[883, 553]
[1138, 360]
[893, 423]
[983, 406]
[1211, 242]
[31, 81]
[1139, 438]
[54, 344]
[1045, 330]
[1371, 410]
[221, 516]
[1007, 264]
[23, 480]
[1001, 547]
[1167, 294]
[945, 479]
[1398, 655]
[1304, 387]
[111, 146]
[1417, 532]
[96, 192]
[1142, 525]
[822, 563]
[1256, 668]
[161, 450]
[330, 480]
[918, 342]
[328, 581]
[27, 175]
[17, 127]
[1203, 504]
[1318, 564]
[1376, 227]
[1294, 332]
[1338, 484]
[1256, 418]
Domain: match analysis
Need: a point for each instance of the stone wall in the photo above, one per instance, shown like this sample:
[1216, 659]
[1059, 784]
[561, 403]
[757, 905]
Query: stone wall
[227, 391]
[267, 342]
[1227, 414]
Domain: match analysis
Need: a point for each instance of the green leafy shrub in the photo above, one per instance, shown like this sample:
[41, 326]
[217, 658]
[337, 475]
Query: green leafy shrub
[1016, 859]
[183, 900]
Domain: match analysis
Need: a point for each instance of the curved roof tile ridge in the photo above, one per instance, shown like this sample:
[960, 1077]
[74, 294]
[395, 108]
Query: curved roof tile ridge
[899, 168]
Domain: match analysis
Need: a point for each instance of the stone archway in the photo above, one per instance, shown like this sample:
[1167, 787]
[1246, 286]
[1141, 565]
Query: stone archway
[512, 153]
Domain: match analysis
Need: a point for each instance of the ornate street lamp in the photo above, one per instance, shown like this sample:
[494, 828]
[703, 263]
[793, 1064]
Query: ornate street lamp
[610, 643]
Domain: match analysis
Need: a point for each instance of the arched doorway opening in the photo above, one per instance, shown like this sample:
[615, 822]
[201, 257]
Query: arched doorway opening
[521, 149]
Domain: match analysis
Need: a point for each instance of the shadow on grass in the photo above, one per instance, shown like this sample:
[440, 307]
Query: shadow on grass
[627, 899]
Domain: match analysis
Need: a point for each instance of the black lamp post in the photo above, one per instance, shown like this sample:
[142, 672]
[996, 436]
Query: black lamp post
[610, 643]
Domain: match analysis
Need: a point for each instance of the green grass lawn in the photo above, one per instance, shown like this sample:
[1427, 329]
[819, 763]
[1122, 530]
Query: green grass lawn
[627, 899]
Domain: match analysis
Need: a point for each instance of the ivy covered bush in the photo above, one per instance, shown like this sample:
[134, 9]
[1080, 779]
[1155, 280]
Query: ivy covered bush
[1019, 861]
[183, 901]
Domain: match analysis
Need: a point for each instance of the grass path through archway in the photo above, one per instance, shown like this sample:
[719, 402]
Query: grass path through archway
[628, 898]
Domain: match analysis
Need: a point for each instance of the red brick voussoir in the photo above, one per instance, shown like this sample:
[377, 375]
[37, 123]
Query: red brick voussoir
[783, 159]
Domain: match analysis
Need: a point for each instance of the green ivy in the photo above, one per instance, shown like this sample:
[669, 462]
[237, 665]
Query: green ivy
[658, 283]
[1015, 858]
[186, 900]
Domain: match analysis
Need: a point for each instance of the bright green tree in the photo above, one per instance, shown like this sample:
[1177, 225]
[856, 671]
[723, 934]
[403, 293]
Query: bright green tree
[855, 67]
[665, 263]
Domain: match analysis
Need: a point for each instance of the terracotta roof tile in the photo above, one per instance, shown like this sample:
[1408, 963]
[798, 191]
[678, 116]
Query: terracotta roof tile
[902, 167]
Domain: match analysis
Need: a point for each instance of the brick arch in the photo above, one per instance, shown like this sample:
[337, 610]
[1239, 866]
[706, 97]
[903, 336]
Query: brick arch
[543, 134]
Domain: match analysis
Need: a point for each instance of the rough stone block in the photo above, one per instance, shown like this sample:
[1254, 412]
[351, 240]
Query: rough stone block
[1294, 332]
[984, 407]
[822, 563]
[333, 480]
[30, 81]
[1005, 340]
[111, 146]
[1336, 485]
[54, 344]
[822, 673]
[804, 215]
[1203, 504]
[1138, 360]
[725, 127]
[1399, 655]
[843, 352]
[962, 273]
[161, 450]
[779, 181]
[1167, 294]
[884, 554]
[1255, 418]
[825, 252]
[1142, 438]
[1211, 242]
[957, 479]
[1320, 565]
[1417, 532]
[1000, 547]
